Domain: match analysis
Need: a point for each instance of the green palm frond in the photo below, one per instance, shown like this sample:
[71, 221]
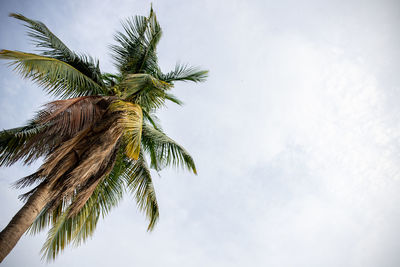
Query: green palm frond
[151, 118]
[13, 140]
[136, 49]
[76, 229]
[45, 219]
[145, 90]
[58, 236]
[134, 83]
[55, 76]
[88, 66]
[53, 47]
[164, 151]
[139, 182]
[148, 61]
[44, 38]
[173, 99]
[111, 80]
[184, 72]
[130, 46]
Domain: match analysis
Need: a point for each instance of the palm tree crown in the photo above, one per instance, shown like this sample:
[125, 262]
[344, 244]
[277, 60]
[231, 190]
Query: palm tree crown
[96, 139]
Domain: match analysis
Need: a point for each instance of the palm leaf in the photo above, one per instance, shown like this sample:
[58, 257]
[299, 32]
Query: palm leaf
[136, 49]
[55, 76]
[148, 61]
[55, 48]
[70, 116]
[164, 151]
[145, 90]
[12, 141]
[111, 80]
[134, 83]
[57, 122]
[130, 44]
[183, 72]
[139, 182]
[173, 99]
[151, 118]
[131, 120]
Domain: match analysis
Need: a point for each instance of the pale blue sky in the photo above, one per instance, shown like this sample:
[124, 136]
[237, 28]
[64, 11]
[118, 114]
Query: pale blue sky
[295, 133]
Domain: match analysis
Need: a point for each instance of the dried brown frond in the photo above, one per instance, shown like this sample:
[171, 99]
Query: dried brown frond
[57, 123]
[75, 168]
[68, 117]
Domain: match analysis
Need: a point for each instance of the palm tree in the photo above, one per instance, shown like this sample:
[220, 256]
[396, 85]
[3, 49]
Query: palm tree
[96, 139]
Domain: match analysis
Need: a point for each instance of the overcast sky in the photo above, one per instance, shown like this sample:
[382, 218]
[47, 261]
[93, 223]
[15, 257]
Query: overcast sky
[296, 133]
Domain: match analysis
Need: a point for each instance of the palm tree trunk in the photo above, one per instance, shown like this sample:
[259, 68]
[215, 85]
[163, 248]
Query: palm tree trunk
[23, 219]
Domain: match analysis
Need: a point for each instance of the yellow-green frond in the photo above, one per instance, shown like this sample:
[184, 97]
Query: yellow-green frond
[131, 120]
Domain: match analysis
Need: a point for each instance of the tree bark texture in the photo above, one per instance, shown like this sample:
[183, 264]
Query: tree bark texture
[23, 219]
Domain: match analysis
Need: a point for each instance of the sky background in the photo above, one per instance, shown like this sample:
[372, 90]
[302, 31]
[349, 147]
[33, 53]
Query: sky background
[296, 133]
